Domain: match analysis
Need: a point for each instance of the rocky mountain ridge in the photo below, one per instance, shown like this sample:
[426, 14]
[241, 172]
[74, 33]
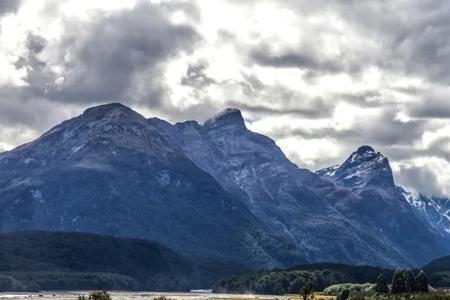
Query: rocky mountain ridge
[367, 169]
[213, 190]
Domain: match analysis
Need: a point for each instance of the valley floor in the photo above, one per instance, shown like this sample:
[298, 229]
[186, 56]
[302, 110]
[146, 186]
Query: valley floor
[149, 296]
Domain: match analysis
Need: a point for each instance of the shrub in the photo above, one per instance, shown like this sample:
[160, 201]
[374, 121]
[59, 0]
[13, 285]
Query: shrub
[382, 285]
[97, 295]
[336, 289]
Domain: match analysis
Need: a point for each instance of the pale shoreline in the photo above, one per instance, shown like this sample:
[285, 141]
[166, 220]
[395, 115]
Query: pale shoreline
[72, 295]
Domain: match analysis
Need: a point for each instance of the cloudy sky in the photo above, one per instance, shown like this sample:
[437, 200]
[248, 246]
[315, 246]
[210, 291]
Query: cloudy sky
[320, 77]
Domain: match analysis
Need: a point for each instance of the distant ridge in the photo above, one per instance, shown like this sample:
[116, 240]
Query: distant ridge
[38, 260]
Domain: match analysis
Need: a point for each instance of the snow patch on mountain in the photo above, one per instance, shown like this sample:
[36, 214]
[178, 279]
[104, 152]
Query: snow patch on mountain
[434, 211]
[329, 171]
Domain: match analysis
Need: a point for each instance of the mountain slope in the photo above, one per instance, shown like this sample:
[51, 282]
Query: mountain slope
[383, 206]
[108, 171]
[293, 203]
[434, 210]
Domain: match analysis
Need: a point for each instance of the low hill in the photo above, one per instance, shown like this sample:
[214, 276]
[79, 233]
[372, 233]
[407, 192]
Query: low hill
[439, 271]
[322, 275]
[38, 260]
[439, 264]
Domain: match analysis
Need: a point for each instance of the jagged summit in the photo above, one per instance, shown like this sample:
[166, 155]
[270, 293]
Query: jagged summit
[365, 149]
[362, 168]
[228, 112]
[230, 116]
[364, 154]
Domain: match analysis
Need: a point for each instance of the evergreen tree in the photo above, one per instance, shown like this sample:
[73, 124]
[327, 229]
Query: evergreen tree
[382, 285]
[306, 291]
[422, 282]
[398, 283]
[410, 281]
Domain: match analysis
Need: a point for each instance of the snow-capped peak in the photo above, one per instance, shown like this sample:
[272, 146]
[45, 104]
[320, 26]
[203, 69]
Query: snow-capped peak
[364, 167]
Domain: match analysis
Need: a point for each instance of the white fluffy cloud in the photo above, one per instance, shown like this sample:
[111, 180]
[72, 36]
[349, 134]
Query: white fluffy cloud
[320, 77]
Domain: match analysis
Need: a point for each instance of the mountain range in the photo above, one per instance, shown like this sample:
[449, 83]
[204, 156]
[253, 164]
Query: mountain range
[216, 190]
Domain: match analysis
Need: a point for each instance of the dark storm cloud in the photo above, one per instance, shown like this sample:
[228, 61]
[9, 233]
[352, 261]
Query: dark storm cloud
[407, 38]
[277, 99]
[293, 60]
[308, 59]
[196, 76]
[119, 48]
[365, 99]
[440, 147]
[316, 110]
[423, 45]
[382, 131]
[9, 6]
[431, 108]
[39, 77]
[24, 117]
[409, 90]
[35, 43]
[386, 130]
[412, 34]
[108, 59]
[421, 179]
